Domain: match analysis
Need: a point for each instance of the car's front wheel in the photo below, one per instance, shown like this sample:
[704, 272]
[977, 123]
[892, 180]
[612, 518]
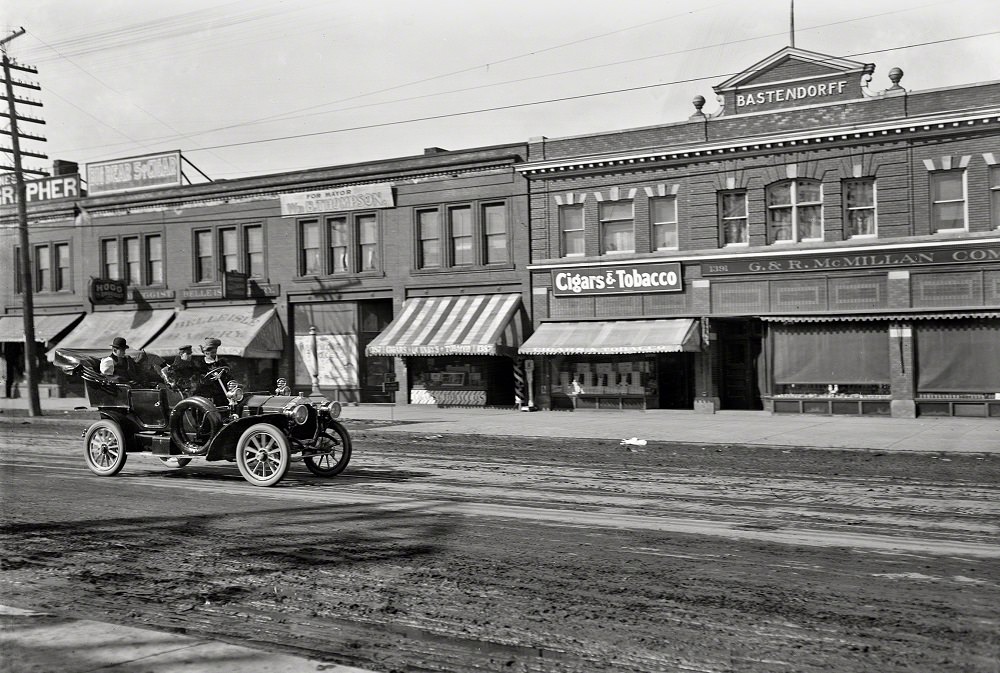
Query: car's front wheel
[262, 454]
[104, 447]
[336, 446]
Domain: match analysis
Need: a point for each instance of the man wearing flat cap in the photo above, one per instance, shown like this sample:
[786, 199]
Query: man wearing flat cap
[118, 365]
[210, 360]
[182, 372]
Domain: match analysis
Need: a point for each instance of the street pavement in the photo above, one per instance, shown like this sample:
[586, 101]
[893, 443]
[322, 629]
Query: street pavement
[39, 642]
[924, 434]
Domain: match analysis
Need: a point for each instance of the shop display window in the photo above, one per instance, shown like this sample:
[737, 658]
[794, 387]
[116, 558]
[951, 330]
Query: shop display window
[447, 373]
[616, 375]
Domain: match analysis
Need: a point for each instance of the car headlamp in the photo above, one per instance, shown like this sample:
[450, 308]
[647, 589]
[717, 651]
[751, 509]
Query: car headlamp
[300, 413]
[330, 409]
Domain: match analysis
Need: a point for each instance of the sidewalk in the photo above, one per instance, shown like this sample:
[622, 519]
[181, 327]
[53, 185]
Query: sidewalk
[926, 434]
[37, 642]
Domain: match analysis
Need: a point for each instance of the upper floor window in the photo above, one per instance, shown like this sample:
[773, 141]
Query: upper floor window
[995, 195]
[229, 258]
[50, 265]
[253, 255]
[309, 257]
[204, 256]
[43, 269]
[733, 218]
[859, 207]
[340, 244]
[460, 235]
[367, 242]
[663, 218]
[571, 230]
[132, 260]
[947, 200]
[154, 259]
[795, 211]
[495, 233]
[61, 271]
[109, 259]
[429, 237]
[617, 227]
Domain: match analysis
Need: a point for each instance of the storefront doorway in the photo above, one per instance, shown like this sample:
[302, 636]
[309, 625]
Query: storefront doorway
[739, 348]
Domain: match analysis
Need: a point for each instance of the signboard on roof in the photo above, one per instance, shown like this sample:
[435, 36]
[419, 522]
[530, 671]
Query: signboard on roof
[355, 197]
[45, 189]
[151, 171]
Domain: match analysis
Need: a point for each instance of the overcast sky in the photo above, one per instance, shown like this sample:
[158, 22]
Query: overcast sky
[265, 86]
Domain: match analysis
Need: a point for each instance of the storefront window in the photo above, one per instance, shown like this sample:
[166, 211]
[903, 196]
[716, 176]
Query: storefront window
[635, 376]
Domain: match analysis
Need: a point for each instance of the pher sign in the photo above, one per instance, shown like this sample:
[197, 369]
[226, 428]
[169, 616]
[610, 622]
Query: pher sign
[620, 279]
[46, 189]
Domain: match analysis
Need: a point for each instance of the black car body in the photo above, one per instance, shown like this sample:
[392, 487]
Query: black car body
[261, 432]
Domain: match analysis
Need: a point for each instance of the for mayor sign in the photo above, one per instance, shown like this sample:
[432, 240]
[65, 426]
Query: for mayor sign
[356, 197]
[619, 279]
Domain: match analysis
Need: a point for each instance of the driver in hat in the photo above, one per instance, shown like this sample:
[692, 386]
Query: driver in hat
[209, 361]
[180, 373]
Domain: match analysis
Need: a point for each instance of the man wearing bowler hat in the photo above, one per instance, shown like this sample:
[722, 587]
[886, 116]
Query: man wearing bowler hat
[118, 365]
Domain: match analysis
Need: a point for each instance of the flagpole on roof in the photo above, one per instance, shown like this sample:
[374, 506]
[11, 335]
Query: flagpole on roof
[791, 27]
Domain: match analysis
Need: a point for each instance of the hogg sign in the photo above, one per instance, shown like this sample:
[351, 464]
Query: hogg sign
[619, 279]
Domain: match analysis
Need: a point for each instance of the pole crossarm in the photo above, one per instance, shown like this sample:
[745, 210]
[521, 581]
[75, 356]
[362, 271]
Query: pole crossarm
[25, 101]
[25, 136]
[23, 85]
[24, 153]
[21, 118]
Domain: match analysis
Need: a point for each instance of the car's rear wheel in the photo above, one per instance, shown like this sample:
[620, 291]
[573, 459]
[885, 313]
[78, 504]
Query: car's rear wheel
[262, 454]
[337, 443]
[104, 448]
[175, 461]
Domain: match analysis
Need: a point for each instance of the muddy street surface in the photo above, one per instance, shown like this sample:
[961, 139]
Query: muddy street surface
[464, 553]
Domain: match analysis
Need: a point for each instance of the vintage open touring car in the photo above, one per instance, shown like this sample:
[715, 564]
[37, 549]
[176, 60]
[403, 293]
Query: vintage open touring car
[262, 432]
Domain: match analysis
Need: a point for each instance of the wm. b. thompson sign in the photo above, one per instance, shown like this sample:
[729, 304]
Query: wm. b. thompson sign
[355, 197]
[856, 260]
[619, 279]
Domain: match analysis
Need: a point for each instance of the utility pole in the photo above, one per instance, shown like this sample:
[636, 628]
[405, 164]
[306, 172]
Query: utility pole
[30, 368]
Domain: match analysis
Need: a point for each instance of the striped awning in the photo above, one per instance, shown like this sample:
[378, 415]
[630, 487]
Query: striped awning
[483, 324]
[870, 317]
[245, 331]
[47, 327]
[614, 337]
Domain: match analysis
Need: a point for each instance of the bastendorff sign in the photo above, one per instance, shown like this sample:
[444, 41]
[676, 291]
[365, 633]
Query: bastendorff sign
[618, 279]
[137, 173]
[855, 260]
[355, 197]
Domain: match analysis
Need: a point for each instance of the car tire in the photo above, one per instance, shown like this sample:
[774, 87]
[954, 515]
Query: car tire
[263, 455]
[104, 448]
[331, 466]
[193, 424]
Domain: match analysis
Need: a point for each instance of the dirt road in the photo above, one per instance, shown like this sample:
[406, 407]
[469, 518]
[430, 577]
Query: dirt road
[449, 553]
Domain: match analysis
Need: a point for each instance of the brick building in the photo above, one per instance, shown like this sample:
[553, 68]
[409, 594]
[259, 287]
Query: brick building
[813, 246]
[324, 261]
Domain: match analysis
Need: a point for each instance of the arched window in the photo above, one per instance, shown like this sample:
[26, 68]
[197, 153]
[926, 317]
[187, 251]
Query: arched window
[795, 211]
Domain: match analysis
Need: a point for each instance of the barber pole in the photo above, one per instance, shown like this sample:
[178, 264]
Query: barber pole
[520, 398]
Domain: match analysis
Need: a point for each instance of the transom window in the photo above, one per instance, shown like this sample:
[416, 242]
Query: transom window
[571, 230]
[733, 218]
[795, 211]
[663, 216]
[947, 200]
[859, 206]
[617, 227]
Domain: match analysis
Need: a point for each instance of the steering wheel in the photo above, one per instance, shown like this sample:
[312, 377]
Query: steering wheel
[215, 373]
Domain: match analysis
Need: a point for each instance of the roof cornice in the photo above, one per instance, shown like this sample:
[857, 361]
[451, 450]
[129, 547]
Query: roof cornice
[913, 126]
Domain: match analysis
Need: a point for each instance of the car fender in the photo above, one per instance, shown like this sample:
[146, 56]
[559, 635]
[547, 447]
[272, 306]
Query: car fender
[223, 445]
[127, 424]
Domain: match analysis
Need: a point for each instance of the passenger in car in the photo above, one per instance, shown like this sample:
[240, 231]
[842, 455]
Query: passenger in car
[118, 366]
[181, 374]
